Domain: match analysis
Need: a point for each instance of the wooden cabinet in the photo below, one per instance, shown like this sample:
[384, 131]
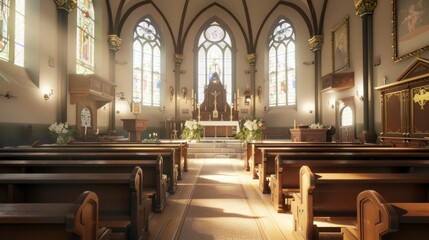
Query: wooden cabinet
[405, 107]
[308, 135]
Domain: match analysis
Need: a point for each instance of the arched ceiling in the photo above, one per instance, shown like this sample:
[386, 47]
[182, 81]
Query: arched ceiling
[249, 15]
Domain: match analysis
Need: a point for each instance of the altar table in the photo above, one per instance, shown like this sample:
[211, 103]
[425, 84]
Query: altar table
[216, 124]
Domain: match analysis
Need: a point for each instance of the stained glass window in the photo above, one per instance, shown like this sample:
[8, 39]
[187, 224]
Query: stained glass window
[281, 65]
[85, 37]
[146, 64]
[12, 13]
[214, 56]
[85, 117]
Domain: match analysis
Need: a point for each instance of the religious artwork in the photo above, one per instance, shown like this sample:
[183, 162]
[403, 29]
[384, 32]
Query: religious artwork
[85, 37]
[410, 28]
[340, 46]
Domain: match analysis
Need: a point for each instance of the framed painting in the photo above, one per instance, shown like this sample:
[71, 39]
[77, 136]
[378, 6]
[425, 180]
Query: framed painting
[340, 46]
[136, 108]
[410, 28]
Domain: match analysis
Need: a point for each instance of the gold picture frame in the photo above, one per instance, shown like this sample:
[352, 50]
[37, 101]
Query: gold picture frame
[136, 108]
[340, 45]
[410, 28]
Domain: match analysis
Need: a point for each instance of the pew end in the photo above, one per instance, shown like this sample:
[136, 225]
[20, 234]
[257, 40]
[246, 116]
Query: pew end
[378, 219]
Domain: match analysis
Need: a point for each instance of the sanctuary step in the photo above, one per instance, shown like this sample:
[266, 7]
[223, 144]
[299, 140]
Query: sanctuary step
[216, 148]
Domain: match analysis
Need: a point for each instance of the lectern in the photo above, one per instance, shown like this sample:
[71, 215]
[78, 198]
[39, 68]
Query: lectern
[135, 127]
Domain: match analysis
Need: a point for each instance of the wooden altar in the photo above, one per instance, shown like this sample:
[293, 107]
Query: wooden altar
[216, 108]
[308, 135]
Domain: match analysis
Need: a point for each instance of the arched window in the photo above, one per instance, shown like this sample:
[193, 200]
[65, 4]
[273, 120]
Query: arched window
[12, 13]
[146, 64]
[214, 56]
[85, 33]
[281, 65]
[347, 116]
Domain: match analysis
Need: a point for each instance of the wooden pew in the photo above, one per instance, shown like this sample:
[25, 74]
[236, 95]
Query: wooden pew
[154, 184]
[379, 219]
[268, 165]
[256, 155]
[123, 207]
[285, 181]
[117, 153]
[60, 221]
[332, 197]
[181, 147]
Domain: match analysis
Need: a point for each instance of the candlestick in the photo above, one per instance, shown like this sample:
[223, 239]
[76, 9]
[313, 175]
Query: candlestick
[230, 117]
[294, 124]
[86, 130]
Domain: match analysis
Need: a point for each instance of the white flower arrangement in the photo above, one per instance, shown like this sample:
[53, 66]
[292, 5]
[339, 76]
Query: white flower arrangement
[316, 126]
[193, 130]
[252, 130]
[61, 132]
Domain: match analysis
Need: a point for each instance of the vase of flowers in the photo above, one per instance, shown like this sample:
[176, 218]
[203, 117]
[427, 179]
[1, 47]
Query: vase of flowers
[193, 130]
[251, 130]
[62, 133]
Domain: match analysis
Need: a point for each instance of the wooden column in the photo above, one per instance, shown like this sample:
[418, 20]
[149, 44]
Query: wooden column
[365, 9]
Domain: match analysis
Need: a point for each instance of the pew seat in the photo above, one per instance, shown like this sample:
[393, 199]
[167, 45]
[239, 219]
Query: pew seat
[332, 196]
[121, 198]
[60, 221]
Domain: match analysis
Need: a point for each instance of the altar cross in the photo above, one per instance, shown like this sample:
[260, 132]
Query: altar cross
[215, 94]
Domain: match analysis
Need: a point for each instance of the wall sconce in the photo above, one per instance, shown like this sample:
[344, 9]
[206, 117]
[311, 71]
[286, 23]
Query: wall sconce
[259, 92]
[331, 103]
[171, 93]
[360, 97]
[8, 95]
[121, 96]
[247, 97]
[309, 108]
[185, 94]
[49, 94]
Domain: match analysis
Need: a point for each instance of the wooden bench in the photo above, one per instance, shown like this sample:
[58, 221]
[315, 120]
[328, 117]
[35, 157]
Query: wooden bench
[254, 153]
[154, 182]
[99, 154]
[59, 221]
[285, 181]
[377, 218]
[181, 147]
[123, 207]
[268, 166]
[331, 197]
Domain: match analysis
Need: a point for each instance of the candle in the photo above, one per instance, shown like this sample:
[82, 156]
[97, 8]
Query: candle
[294, 124]
[86, 130]
[199, 111]
[231, 112]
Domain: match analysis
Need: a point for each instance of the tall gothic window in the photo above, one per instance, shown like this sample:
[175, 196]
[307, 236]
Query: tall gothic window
[146, 64]
[12, 31]
[85, 33]
[281, 65]
[214, 56]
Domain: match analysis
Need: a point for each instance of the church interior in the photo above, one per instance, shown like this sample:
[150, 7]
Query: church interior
[236, 119]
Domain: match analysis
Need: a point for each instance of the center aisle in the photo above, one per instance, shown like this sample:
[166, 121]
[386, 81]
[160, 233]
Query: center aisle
[219, 209]
[217, 199]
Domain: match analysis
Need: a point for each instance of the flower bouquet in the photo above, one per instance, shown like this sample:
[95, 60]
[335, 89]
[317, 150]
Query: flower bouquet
[192, 131]
[316, 126]
[62, 133]
[251, 130]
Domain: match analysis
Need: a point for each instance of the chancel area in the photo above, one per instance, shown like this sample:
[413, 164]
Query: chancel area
[214, 119]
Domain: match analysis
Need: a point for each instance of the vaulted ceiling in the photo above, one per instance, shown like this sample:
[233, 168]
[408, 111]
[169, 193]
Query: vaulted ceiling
[250, 15]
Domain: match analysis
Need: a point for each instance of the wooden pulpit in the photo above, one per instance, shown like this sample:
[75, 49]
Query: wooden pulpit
[135, 127]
